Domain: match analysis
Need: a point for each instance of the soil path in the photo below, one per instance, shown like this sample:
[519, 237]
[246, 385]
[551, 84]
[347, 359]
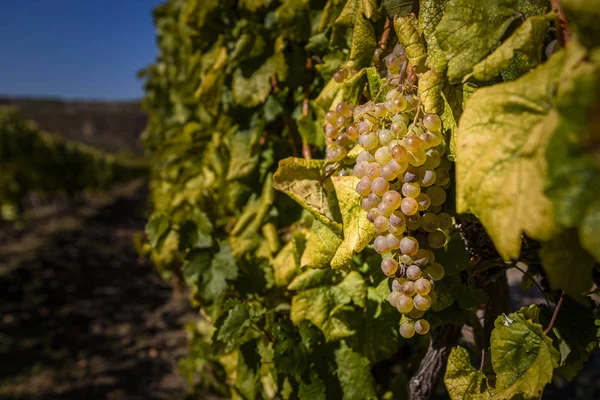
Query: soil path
[81, 316]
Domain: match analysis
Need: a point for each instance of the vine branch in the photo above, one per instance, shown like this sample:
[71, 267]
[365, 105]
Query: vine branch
[555, 314]
[422, 385]
[563, 33]
[387, 28]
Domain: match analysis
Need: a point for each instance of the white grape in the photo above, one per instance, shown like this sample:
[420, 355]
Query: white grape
[409, 245]
[413, 272]
[389, 266]
[432, 122]
[422, 303]
[422, 327]
[407, 330]
[422, 286]
[380, 186]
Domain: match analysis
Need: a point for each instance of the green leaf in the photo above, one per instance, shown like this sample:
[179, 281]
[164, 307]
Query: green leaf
[430, 15]
[375, 83]
[527, 40]
[354, 373]
[583, 16]
[315, 390]
[522, 355]
[214, 272]
[311, 128]
[302, 180]
[284, 265]
[247, 379]
[157, 229]
[243, 153]
[250, 90]
[358, 231]
[455, 98]
[196, 233]
[576, 332]
[411, 39]
[573, 181]
[446, 292]
[455, 257]
[430, 92]
[320, 305]
[312, 278]
[235, 326]
[500, 164]
[470, 29]
[353, 87]
[397, 7]
[290, 356]
[567, 266]
[321, 245]
[462, 381]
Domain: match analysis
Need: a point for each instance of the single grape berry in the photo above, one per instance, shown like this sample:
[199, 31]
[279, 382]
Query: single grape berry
[407, 330]
[408, 288]
[393, 298]
[430, 222]
[435, 271]
[409, 189]
[415, 313]
[389, 266]
[405, 304]
[422, 286]
[409, 206]
[413, 272]
[421, 327]
[391, 199]
[432, 122]
[437, 195]
[422, 303]
[436, 239]
[409, 245]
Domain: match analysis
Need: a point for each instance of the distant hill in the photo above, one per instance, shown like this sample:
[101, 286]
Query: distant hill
[109, 125]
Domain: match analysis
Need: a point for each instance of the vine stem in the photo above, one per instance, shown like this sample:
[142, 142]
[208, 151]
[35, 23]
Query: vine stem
[563, 32]
[306, 152]
[555, 314]
[528, 275]
[387, 28]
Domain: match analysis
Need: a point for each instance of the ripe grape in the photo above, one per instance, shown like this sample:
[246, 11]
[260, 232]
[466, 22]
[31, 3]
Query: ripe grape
[396, 167]
[410, 189]
[382, 155]
[426, 177]
[445, 222]
[371, 215]
[435, 271]
[421, 257]
[408, 288]
[422, 286]
[421, 327]
[413, 272]
[386, 173]
[380, 186]
[391, 199]
[384, 210]
[409, 245]
[411, 174]
[409, 206]
[373, 170]
[365, 156]
[385, 136]
[363, 187]
[331, 116]
[381, 224]
[406, 259]
[399, 128]
[397, 284]
[437, 195]
[415, 313]
[399, 153]
[423, 201]
[393, 298]
[380, 244]
[413, 143]
[417, 158]
[436, 239]
[413, 222]
[392, 242]
[389, 266]
[405, 304]
[442, 176]
[407, 330]
[433, 159]
[368, 141]
[430, 222]
[422, 303]
[432, 122]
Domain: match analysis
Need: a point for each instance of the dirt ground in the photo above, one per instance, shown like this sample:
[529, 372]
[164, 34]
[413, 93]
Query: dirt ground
[82, 316]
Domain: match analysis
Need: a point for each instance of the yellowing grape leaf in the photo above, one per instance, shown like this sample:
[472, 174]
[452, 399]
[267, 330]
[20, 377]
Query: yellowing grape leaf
[250, 90]
[430, 92]
[430, 15]
[470, 29]
[358, 231]
[583, 16]
[500, 157]
[462, 381]
[522, 355]
[284, 265]
[527, 39]
[302, 180]
[568, 267]
[321, 245]
[411, 39]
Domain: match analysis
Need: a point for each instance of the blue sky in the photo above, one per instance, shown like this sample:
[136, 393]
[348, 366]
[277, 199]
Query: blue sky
[75, 49]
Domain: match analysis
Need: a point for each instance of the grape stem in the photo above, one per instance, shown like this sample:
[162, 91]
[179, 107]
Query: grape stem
[387, 28]
[306, 152]
[563, 33]
[555, 314]
[528, 275]
[417, 112]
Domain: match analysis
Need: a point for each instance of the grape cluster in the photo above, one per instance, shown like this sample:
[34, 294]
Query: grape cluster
[403, 177]
[340, 132]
